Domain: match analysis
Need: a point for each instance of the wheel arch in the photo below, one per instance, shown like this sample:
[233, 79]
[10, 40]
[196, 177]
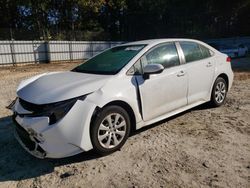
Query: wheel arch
[225, 77]
[122, 104]
[222, 75]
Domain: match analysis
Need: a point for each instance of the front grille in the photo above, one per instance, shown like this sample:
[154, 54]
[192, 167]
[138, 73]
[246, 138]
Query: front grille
[24, 136]
[55, 111]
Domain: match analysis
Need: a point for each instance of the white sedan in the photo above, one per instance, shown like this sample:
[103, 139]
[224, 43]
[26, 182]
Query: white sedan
[98, 103]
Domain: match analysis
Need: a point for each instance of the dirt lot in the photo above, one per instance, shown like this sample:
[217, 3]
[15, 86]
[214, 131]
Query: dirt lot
[202, 147]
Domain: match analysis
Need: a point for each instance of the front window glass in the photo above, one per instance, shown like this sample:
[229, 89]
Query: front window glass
[164, 54]
[110, 61]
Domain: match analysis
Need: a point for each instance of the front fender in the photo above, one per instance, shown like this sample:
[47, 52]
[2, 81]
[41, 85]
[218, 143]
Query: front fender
[74, 128]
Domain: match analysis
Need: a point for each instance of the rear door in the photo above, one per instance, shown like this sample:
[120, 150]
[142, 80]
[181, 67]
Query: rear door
[200, 67]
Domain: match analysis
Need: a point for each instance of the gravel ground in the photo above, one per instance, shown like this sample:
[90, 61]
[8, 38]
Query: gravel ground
[203, 147]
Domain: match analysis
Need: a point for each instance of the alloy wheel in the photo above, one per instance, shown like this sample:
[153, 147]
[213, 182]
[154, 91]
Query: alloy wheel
[112, 130]
[220, 92]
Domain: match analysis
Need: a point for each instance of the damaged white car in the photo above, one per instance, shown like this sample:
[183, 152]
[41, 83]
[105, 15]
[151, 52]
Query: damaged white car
[98, 103]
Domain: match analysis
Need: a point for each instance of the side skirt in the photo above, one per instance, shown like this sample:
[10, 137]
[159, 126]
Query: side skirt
[172, 113]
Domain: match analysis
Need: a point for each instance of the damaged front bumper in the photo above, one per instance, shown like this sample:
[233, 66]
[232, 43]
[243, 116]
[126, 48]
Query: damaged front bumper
[67, 137]
[28, 141]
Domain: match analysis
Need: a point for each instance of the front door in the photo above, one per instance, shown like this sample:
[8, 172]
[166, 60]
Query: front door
[167, 91]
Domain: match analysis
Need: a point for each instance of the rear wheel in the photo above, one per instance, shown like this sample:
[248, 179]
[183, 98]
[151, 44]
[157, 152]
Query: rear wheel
[219, 92]
[110, 129]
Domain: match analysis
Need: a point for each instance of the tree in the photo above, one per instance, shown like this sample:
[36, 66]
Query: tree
[122, 19]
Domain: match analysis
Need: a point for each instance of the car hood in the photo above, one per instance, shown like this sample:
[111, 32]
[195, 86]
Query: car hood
[58, 86]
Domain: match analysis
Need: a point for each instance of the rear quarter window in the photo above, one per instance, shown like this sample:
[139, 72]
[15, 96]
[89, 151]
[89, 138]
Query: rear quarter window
[205, 52]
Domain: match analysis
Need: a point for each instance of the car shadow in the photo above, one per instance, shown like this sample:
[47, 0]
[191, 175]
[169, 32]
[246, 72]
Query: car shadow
[16, 164]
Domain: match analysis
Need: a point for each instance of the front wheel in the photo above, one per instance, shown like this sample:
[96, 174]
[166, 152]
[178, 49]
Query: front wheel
[110, 129]
[219, 92]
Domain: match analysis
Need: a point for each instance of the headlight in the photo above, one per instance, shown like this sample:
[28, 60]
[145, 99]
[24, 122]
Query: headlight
[56, 111]
[59, 111]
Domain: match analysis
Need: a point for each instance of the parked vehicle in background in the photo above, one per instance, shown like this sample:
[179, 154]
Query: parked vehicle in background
[95, 105]
[243, 50]
[232, 51]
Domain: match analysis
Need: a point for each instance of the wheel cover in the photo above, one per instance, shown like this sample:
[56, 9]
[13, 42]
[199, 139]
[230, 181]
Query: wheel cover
[112, 130]
[220, 92]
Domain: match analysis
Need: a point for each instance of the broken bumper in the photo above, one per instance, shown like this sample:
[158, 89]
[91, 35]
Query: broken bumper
[27, 141]
[67, 137]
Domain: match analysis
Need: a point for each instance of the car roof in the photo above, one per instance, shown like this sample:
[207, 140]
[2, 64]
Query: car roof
[157, 41]
[153, 42]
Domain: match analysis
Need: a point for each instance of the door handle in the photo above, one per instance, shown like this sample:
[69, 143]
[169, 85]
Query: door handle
[209, 64]
[181, 73]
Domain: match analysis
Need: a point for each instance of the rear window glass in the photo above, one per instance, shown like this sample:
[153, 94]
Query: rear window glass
[192, 51]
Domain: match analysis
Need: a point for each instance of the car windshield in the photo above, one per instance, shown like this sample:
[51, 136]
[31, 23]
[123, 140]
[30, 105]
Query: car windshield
[110, 61]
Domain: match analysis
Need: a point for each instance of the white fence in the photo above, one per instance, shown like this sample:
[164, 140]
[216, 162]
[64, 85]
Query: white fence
[12, 52]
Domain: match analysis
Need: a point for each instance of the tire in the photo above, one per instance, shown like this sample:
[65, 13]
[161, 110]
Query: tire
[110, 129]
[219, 92]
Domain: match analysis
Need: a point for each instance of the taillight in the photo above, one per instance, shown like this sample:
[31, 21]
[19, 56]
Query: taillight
[229, 59]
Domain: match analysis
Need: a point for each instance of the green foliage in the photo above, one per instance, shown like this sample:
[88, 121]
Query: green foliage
[122, 19]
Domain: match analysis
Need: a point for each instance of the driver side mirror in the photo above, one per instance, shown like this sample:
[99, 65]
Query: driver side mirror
[152, 69]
